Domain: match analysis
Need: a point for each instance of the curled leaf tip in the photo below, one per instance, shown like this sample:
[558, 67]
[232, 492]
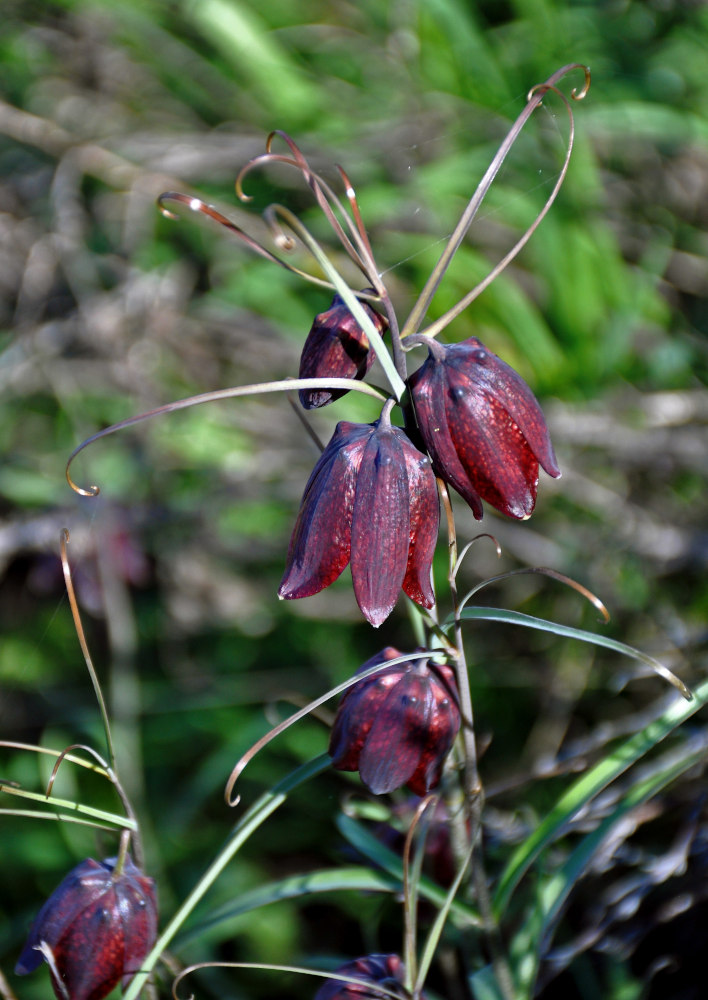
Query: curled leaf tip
[88, 491]
[579, 95]
[550, 83]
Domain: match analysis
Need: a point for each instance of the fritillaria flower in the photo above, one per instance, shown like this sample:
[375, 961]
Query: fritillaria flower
[397, 727]
[371, 500]
[375, 970]
[94, 930]
[482, 426]
[336, 345]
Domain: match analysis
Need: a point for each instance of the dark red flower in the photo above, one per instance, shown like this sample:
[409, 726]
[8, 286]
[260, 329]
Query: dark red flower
[336, 345]
[372, 500]
[375, 970]
[397, 727]
[482, 426]
[98, 927]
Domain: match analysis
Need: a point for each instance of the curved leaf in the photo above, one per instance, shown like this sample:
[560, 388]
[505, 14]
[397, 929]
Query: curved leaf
[327, 880]
[586, 787]
[518, 618]
[551, 896]
[367, 844]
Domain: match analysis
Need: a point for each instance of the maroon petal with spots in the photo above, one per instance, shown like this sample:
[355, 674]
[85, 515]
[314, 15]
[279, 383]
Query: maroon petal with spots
[98, 926]
[336, 346]
[397, 726]
[320, 546]
[482, 426]
[386, 971]
[371, 499]
[380, 524]
[424, 522]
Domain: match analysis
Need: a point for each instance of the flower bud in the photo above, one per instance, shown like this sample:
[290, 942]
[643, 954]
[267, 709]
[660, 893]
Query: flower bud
[375, 970]
[482, 427]
[397, 727]
[372, 500]
[94, 930]
[336, 345]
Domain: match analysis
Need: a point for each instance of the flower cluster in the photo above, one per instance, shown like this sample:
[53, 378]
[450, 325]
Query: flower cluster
[371, 499]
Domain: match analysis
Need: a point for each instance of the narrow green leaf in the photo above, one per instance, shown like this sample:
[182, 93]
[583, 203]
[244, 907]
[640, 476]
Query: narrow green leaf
[329, 880]
[518, 618]
[122, 822]
[59, 817]
[538, 924]
[586, 787]
[368, 845]
[259, 812]
[485, 986]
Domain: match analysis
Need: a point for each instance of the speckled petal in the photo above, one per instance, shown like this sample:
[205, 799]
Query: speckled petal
[320, 546]
[380, 525]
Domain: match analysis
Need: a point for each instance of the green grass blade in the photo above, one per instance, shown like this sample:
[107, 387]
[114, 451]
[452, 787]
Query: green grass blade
[552, 896]
[367, 844]
[329, 880]
[518, 618]
[113, 819]
[585, 788]
[247, 825]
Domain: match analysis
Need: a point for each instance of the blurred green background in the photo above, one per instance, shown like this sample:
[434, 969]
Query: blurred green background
[107, 310]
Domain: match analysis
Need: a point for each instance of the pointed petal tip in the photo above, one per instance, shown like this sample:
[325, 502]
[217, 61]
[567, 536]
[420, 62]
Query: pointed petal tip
[376, 618]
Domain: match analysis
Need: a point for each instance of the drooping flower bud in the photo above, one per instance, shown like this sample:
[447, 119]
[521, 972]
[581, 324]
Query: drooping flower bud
[482, 426]
[336, 345]
[372, 500]
[386, 971]
[397, 727]
[94, 930]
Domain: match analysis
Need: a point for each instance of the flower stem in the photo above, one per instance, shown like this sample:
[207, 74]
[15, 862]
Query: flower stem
[472, 786]
[248, 824]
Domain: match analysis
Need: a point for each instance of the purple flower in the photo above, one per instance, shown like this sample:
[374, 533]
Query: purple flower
[397, 727]
[377, 970]
[336, 345]
[94, 930]
[482, 427]
[371, 500]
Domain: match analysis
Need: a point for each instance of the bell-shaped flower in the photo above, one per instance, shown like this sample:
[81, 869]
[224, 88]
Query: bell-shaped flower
[371, 500]
[397, 727]
[336, 345]
[482, 427]
[386, 971]
[94, 930]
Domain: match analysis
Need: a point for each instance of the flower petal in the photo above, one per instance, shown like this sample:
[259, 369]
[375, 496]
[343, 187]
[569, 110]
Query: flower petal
[499, 379]
[493, 451]
[429, 389]
[80, 889]
[440, 732]
[336, 345]
[424, 526]
[321, 541]
[393, 746]
[358, 708]
[380, 525]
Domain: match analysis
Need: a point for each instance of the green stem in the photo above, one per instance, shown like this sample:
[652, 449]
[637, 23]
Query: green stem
[473, 791]
[248, 824]
[352, 302]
